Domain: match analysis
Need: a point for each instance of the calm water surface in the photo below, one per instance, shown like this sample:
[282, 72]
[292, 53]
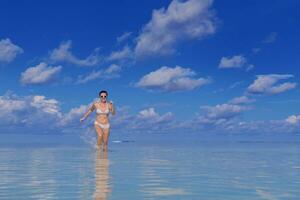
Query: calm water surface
[148, 169]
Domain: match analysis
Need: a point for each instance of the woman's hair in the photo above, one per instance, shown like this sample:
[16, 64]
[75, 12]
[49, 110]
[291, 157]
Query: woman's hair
[103, 91]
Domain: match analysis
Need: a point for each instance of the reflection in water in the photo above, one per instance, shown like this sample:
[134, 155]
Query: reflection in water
[102, 186]
[206, 172]
[156, 184]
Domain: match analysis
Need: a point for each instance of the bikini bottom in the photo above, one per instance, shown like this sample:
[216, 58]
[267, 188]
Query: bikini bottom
[102, 125]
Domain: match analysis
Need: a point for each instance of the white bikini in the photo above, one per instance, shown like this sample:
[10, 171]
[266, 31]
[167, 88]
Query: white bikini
[100, 112]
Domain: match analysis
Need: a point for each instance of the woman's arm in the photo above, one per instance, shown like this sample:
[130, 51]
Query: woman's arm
[112, 108]
[88, 112]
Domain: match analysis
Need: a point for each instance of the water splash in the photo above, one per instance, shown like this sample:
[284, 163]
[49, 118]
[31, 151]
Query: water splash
[88, 136]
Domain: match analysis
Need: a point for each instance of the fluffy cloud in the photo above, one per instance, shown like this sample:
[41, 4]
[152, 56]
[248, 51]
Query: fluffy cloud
[63, 54]
[89, 77]
[29, 111]
[110, 72]
[123, 37]
[50, 106]
[266, 84]
[39, 74]
[241, 100]
[10, 110]
[10, 106]
[220, 118]
[73, 116]
[293, 119]
[182, 20]
[113, 69]
[125, 53]
[147, 120]
[225, 119]
[150, 115]
[172, 79]
[237, 61]
[8, 50]
[41, 114]
[223, 111]
[38, 113]
[284, 126]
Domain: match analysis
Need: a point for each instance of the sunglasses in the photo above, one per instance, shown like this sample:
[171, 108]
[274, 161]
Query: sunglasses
[103, 96]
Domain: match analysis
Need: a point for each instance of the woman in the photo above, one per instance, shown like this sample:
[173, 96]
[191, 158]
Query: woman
[103, 108]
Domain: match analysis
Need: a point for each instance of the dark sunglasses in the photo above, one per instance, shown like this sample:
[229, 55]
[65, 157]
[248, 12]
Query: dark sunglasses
[103, 96]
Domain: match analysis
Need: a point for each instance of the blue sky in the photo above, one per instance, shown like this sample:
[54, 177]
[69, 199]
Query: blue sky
[169, 66]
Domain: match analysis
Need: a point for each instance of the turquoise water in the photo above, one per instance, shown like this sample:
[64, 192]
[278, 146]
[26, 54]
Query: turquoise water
[148, 167]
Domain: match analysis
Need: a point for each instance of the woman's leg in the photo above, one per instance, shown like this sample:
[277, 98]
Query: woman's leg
[105, 138]
[100, 135]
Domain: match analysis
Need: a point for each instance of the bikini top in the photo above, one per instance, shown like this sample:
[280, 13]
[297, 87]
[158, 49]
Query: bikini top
[105, 112]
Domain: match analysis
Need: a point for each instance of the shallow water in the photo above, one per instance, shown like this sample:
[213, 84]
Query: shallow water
[150, 169]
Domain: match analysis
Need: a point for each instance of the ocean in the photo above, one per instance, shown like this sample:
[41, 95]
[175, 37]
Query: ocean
[145, 166]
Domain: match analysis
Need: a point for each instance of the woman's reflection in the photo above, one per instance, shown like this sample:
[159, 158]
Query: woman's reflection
[102, 186]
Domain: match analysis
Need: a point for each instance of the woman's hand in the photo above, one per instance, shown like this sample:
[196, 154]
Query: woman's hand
[82, 119]
[112, 109]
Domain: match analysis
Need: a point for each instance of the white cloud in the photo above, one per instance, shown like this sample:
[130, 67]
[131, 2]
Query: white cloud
[8, 106]
[249, 67]
[221, 118]
[125, 53]
[8, 50]
[293, 119]
[11, 109]
[288, 125]
[241, 100]
[235, 84]
[89, 77]
[150, 115]
[259, 127]
[172, 79]
[123, 118]
[123, 37]
[36, 110]
[50, 106]
[182, 20]
[110, 72]
[39, 74]
[113, 69]
[41, 114]
[237, 61]
[38, 114]
[266, 84]
[225, 119]
[74, 115]
[223, 111]
[63, 54]
[148, 120]
[270, 38]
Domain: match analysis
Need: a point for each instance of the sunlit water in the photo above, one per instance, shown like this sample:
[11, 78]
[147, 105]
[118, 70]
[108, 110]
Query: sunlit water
[154, 169]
